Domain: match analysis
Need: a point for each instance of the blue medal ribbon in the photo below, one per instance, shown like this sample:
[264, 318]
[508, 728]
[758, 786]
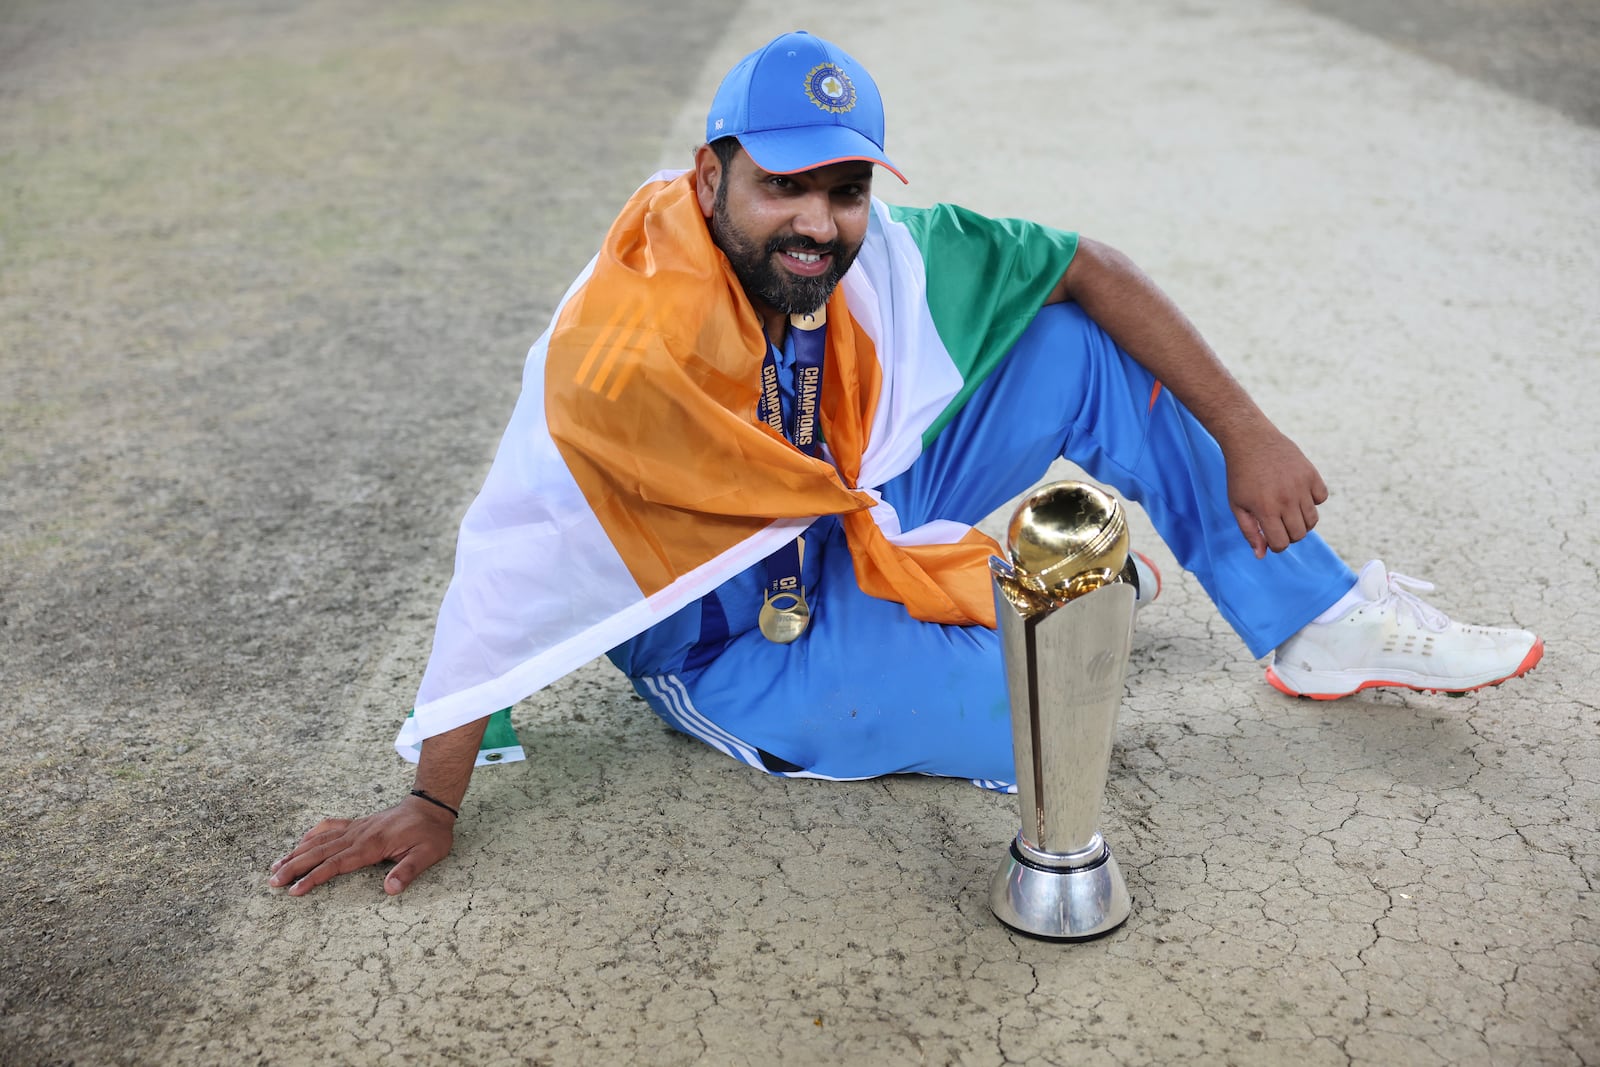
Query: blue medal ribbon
[807, 347]
[784, 612]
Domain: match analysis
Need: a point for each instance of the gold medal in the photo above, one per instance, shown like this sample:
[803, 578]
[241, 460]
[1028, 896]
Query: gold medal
[784, 612]
[784, 616]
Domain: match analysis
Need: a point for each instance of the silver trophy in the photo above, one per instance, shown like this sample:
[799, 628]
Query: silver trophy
[1065, 607]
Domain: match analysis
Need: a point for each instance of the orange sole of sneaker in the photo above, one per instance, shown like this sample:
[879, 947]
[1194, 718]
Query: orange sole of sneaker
[1535, 654]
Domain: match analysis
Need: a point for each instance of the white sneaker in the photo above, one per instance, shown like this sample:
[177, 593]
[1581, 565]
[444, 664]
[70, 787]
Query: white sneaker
[1396, 639]
[1146, 579]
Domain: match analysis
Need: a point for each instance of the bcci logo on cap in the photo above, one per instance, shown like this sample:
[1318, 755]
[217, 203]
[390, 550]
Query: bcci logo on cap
[830, 89]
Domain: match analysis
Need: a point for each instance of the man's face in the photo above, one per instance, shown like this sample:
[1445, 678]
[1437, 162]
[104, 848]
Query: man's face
[791, 237]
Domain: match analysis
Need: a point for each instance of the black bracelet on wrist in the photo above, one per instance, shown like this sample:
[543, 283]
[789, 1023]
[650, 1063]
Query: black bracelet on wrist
[435, 800]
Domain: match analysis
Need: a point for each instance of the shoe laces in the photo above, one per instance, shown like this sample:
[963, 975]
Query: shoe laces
[1401, 593]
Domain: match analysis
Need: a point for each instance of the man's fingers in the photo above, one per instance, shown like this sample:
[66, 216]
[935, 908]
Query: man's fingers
[1294, 526]
[291, 866]
[411, 864]
[322, 872]
[316, 850]
[341, 858]
[314, 839]
[339, 846]
[1272, 533]
[1251, 529]
[297, 863]
[1280, 529]
[324, 830]
[402, 875]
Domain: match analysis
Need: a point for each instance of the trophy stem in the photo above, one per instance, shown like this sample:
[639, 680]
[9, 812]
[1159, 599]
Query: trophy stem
[1064, 670]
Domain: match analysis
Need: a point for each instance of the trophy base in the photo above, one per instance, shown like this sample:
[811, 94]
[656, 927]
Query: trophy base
[1060, 903]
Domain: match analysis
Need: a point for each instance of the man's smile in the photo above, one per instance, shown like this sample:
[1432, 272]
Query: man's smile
[809, 264]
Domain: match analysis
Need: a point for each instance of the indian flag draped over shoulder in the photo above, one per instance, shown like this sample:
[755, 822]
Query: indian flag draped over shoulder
[635, 477]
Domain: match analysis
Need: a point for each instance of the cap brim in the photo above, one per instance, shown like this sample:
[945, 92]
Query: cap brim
[792, 151]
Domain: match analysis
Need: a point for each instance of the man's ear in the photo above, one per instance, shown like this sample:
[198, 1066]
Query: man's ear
[707, 176]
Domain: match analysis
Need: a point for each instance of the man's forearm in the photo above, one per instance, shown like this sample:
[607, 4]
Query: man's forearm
[447, 760]
[1145, 323]
[1272, 488]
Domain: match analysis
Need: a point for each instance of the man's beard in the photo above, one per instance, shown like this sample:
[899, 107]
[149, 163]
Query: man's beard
[762, 277]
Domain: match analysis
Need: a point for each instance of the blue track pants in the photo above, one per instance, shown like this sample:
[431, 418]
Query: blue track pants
[868, 690]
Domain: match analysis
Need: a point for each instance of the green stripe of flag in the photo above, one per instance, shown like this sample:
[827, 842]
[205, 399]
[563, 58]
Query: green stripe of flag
[986, 279]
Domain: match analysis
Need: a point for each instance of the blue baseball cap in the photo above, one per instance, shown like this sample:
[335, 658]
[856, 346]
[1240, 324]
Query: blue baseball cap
[800, 103]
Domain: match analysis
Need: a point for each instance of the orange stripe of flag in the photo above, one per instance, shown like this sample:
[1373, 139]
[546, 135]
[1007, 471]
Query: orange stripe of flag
[602, 343]
[616, 348]
[622, 379]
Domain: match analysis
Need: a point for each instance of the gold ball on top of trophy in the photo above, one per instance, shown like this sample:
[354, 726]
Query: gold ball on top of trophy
[1065, 539]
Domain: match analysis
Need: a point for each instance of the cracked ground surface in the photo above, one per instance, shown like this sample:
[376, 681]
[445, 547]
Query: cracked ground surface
[266, 275]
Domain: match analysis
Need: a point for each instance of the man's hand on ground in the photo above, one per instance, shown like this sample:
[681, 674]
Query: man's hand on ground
[413, 833]
[1274, 490]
